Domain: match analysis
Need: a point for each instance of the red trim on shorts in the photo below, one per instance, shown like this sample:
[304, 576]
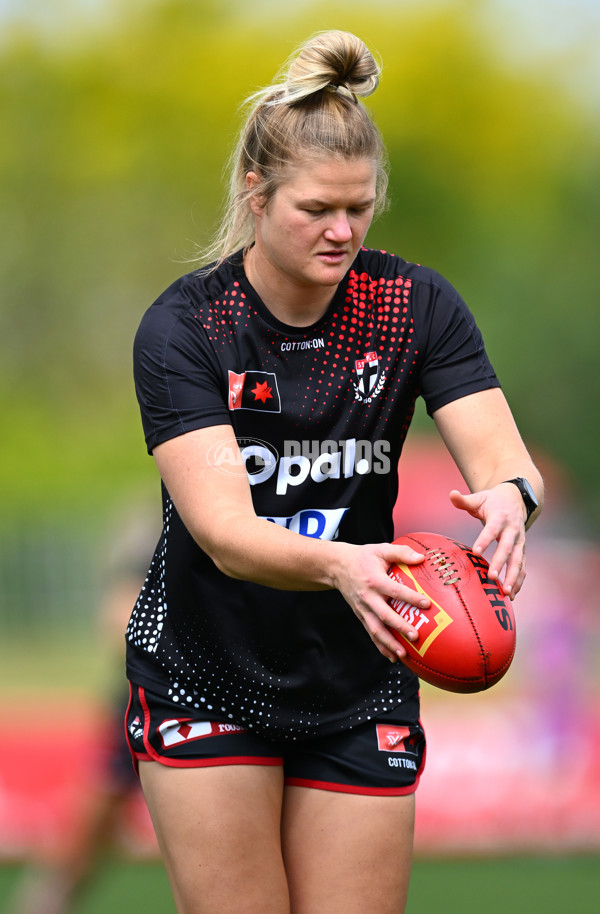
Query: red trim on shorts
[154, 756]
[146, 710]
[134, 755]
[127, 710]
[214, 762]
[424, 758]
[139, 757]
[351, 788]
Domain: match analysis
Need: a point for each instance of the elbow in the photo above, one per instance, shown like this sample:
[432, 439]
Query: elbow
[224, 560]
[227, 568]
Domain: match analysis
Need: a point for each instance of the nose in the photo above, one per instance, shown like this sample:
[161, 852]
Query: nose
[339, 229]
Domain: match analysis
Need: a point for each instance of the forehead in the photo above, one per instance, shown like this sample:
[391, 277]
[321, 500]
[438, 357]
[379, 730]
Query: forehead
[330, 177]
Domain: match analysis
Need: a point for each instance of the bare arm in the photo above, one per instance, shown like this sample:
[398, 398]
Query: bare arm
[481, 434]
[217, 509]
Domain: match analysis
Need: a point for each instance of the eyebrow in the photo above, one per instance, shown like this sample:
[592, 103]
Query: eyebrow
[326, 204]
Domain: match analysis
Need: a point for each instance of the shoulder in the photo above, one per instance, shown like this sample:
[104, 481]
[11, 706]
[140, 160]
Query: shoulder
[188, 298]
[194, 290]
[383, 265]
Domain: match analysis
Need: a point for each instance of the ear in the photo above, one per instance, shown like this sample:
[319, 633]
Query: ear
[257, 201]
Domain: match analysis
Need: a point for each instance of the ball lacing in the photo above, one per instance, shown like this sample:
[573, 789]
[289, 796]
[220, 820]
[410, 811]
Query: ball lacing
[446, 568]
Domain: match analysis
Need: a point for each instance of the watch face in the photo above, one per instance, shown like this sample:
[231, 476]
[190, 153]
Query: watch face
[530, 493]
[527, 494]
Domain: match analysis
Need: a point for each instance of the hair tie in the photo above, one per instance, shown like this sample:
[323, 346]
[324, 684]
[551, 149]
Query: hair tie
[343, 90]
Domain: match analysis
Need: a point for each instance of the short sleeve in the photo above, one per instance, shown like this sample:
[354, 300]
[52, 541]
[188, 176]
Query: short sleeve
[177, 375]
[454, 360]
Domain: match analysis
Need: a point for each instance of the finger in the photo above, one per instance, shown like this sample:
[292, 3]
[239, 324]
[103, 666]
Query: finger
[402, 593]
[382, 638]
[519, 582]
[469, 503]
[398, 554]
[381, 620]
[514, 575]
[485, 539]
[510, 555]
[457, 498]
[496, 531]
[406, 621]
[386, 642]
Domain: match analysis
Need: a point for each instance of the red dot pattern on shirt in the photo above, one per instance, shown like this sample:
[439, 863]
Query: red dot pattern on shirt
[374, 318]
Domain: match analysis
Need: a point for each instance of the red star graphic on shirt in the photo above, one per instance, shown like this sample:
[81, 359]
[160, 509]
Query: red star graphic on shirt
[262, 392]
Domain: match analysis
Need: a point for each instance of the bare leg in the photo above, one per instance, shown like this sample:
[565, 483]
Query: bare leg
[219, 831]
[347, 853]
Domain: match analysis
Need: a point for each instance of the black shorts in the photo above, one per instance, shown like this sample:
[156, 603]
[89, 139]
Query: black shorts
[382, 757]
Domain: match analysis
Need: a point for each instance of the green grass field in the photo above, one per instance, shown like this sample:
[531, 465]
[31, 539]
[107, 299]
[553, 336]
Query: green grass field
[531, 885]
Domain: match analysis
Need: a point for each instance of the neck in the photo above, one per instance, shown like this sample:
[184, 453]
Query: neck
[290, 302]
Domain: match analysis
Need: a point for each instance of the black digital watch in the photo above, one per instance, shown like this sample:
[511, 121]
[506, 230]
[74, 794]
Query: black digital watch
[527, 494]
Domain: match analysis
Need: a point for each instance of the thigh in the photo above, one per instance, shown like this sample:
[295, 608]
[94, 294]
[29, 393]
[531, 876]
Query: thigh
[347, 852]
[218, 829]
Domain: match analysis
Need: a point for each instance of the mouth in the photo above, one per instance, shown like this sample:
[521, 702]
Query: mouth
[332, 257]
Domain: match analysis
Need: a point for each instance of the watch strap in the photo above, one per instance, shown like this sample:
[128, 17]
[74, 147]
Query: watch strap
[527, 495]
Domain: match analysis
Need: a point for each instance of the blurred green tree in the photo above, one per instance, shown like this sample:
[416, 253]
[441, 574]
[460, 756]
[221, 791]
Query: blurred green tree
[114, 141]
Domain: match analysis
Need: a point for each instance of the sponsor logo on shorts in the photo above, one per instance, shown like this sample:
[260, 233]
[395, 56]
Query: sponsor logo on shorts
[396, 739]
[136, 728]
[177, 732]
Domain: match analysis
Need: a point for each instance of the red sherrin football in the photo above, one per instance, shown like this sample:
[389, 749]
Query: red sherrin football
[467, 637]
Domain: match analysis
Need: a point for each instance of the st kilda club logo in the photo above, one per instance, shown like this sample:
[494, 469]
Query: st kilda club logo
[369, 379]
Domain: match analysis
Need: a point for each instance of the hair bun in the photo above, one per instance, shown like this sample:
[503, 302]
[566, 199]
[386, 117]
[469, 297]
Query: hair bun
[333, 59]
[311, 109]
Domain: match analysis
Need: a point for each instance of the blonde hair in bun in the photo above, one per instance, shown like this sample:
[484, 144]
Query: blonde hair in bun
[331, 60]
[312, 108]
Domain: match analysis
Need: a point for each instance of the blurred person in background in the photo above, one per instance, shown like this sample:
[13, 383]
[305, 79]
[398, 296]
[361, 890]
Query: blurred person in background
[55, 886]
[276, 386]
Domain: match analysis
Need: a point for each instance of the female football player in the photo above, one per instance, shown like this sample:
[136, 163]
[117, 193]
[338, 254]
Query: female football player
[275, 728]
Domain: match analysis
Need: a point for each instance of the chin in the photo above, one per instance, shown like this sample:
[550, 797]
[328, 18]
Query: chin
[332, 275]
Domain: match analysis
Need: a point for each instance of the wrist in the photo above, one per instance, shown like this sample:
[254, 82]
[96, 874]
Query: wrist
[528, 496]
[337, 560]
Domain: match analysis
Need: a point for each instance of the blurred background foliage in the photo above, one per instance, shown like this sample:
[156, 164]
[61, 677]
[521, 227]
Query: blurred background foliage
[117, 119]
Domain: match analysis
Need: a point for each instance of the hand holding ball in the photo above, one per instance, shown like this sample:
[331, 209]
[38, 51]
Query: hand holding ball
[467, 637]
